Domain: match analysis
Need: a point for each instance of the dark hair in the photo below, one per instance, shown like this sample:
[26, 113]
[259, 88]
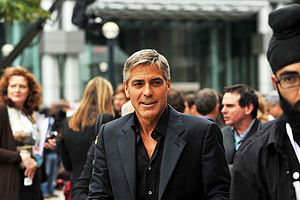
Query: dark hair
[247, 94]
[206, 101]
[190, 99]
[176, 100]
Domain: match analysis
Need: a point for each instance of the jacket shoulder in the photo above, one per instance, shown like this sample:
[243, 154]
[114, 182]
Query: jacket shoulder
[191, 119]
[250, 152]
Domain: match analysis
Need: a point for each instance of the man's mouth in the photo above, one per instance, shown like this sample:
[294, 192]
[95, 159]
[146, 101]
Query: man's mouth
[226, 118]
[148, 103]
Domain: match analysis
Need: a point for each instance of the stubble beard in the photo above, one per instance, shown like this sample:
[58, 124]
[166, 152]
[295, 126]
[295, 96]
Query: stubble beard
[290, 110]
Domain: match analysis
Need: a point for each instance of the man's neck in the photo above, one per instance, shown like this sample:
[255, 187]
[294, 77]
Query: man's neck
[148, 126]
[242, 126]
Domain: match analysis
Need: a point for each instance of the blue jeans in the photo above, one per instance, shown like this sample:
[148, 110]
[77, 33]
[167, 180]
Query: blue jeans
[51, 163]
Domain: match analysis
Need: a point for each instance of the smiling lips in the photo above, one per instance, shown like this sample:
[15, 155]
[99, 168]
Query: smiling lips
[148, 103]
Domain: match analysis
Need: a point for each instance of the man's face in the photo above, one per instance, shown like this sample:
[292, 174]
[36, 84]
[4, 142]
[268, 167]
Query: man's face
[292, 95]
[232, 112]
[119, 100]
[148, 91]
[274, 110]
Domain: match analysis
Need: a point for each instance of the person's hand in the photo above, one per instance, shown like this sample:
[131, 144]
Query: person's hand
[30, 165]
[50, 143]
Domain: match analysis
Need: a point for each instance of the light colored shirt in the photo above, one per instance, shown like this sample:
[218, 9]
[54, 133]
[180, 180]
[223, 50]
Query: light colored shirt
[238, 139]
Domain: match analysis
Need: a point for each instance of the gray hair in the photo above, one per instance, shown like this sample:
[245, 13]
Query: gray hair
[146, 57]
[272, 97]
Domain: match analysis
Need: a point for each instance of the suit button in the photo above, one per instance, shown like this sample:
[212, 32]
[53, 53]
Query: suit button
[150, 192]
[149, 168]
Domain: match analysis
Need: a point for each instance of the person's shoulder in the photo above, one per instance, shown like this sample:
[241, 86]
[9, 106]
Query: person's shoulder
[119, 122]
[197, 123]
[256, 149]
[254, 146]
[195, 119]
[226, 129]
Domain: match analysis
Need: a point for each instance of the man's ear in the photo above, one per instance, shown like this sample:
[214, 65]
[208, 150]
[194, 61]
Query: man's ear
[216, 110]
[249, 109]
[274, 81]
[169, 85]
[126, 90]
[194, 108]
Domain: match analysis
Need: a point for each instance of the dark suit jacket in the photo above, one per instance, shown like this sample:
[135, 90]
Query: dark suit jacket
[228, 141]
[193, 162]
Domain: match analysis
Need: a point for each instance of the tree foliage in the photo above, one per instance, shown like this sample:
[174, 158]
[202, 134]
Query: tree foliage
[21, 10]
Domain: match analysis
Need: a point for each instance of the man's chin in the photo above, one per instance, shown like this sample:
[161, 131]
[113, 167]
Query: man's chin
[291, 111]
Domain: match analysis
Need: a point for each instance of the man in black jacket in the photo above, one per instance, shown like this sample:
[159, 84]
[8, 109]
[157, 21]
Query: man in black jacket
[267, 165]
[157, 152]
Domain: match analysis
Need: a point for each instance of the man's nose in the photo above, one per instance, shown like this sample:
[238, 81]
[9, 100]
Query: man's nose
[223, 109]
[147, 90]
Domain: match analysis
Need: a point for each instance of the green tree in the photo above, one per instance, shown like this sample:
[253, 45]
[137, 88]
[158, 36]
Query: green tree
[21, 10]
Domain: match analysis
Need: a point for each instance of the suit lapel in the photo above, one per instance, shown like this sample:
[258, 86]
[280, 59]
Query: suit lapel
[231, 146]
[127, 150]
[253, 128]
[173, 148]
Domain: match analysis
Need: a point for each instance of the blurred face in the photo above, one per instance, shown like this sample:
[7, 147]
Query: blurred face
[119, 100]
[232, 112]
[274, 110]
[17, 90]
[148, 91]
[292, 95]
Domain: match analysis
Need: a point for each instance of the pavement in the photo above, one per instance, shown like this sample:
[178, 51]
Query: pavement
[58, 195]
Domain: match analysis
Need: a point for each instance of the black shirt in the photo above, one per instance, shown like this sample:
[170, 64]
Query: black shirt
[148, 169]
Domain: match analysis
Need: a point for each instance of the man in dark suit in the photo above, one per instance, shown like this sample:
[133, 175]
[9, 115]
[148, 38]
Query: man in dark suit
[157, 152]
[240, 104]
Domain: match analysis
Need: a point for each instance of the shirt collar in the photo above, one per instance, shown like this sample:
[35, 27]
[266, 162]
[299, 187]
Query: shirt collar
[240, 138]
[244, 134]
[209, 118]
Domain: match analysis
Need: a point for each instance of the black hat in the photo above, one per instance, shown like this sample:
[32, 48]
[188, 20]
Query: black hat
[284, 47]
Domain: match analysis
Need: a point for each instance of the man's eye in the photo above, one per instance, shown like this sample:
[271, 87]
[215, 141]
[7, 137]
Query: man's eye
[156, 82]
[289, 79]
[137, 84]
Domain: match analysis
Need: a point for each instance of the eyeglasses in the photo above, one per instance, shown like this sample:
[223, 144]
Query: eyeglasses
[289, 81]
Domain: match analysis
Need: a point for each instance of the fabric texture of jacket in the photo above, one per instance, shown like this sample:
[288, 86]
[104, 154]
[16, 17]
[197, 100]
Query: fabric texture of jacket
[261, 169]
[228, 141]
[193, 162]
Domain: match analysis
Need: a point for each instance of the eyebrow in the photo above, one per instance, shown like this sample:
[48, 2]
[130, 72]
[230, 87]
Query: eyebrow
[137, 80]
[157, 79]
[141, 80]
[288, 73]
